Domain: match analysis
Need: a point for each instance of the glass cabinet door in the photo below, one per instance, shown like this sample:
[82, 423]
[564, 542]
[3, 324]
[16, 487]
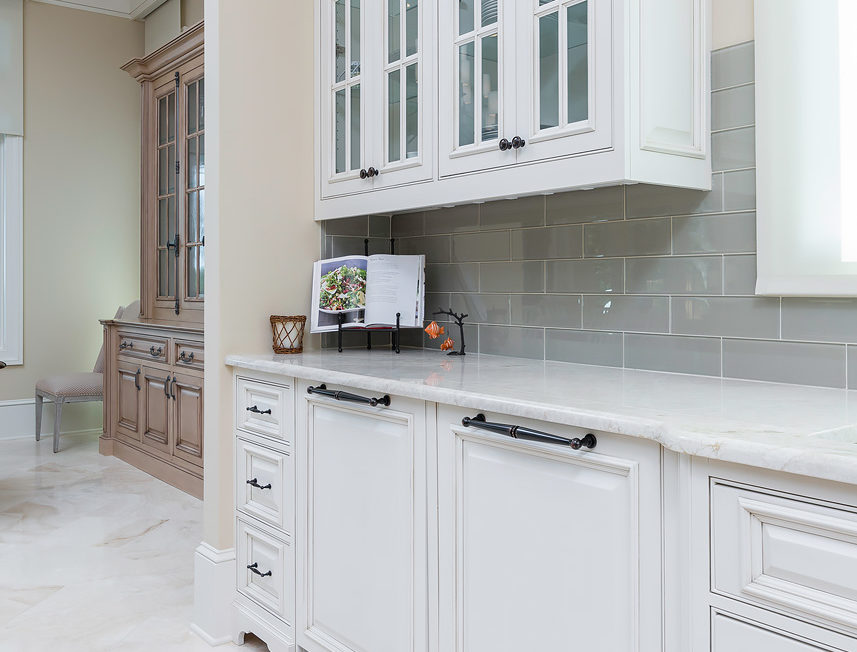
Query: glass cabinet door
[570, 46]
[194, 190]
[343, 97]
[477, 84]
[165, 182]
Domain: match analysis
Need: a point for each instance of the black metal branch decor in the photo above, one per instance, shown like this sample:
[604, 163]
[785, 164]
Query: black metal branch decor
[449, 343]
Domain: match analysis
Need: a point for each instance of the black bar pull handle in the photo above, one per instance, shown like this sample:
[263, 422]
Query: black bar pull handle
[137, 379]
[155, 352]
[254, 567]
[167, 386]
[322, 390]
[255, 410]
[187, 359]
[255, 483]
[520, 432]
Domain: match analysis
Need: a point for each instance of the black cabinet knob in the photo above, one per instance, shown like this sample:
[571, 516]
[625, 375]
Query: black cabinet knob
[505, 144]
[363, 174]
[518, 142]
[372, 172]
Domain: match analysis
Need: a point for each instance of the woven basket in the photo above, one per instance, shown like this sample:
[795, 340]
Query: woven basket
[288, 333]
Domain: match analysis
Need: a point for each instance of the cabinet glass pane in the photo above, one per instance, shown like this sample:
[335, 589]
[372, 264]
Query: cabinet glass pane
[192, 272]
[163, 224]
[171, 218]
[355, 127]
[489, 12]
[192, 217]
[192, 164]
[394, 118]
[162, 121]
[466, 113]
[201, 251]
[340, 130]
[202, 216]
[339, 42]
[490, 86]
[466, 18]
[394, 28]
[171, 117]
[163, 264]
[412, 112]
[171, 168]
[549, 71]
[201, 103]
[355, 38]
[171, 274]
[163, 171]
[192, 112]
[578, 62]
[412, 27]
[202, 160]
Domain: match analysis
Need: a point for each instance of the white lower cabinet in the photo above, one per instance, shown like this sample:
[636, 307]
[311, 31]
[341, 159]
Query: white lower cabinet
[362, 524]
[731, 635]
[540, 546]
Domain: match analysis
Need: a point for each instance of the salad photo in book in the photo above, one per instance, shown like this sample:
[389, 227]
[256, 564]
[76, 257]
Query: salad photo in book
[368, 292]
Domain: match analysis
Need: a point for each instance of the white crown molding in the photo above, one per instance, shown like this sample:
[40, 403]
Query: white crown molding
[130, 9]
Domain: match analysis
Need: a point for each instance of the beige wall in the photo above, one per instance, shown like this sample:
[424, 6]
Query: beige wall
[81, 191]
[732, 22]
[261, 236]
[169, 20]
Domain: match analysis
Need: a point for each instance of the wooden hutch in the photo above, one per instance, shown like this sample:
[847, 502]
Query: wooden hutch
[153, 378]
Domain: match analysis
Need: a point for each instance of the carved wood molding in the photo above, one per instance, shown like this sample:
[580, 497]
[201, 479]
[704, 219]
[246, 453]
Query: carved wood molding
[184, 47]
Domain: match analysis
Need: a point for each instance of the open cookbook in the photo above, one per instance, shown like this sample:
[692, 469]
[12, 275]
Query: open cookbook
[368, 292]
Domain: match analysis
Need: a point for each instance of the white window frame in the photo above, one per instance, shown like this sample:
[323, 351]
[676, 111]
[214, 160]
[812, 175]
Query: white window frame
[11, 250]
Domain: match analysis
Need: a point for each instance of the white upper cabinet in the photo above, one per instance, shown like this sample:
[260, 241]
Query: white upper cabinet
[426, 104]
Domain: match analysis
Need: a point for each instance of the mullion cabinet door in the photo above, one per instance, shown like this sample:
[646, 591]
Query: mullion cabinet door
[345, 61]
[477, 85]
[404, 69]
[165, 225]
[564, 85]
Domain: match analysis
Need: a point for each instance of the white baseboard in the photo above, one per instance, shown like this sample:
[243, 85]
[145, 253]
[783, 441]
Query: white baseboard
[17, 419]
[213, 586]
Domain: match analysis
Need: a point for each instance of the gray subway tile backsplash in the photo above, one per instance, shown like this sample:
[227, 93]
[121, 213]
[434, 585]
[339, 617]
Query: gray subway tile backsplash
[643, 276]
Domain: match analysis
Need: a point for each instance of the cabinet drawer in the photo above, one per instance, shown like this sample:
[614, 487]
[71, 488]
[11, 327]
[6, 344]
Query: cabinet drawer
[785, 553]
[732, 635]
[264, 484]
[264, 409]
[265, 569]
[143, 347]
[188, 355]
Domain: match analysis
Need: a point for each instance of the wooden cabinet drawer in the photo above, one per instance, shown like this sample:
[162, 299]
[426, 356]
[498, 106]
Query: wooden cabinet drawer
[785, 553]
[732, 635]
[264, 484]
[265, 569]
[143, 347]
[188, 355]
[264, 409]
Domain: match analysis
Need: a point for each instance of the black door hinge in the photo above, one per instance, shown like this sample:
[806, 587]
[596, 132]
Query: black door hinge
[178, 166]
[177, 79]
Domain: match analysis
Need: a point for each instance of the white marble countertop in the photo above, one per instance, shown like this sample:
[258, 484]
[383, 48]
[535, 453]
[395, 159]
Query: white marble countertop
[809, 431]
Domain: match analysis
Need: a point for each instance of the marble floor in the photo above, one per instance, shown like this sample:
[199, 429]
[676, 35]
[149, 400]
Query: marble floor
[94, 554]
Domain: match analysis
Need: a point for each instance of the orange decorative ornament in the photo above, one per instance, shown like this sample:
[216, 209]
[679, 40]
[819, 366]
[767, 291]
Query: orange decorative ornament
[434, 331]
[447, 344]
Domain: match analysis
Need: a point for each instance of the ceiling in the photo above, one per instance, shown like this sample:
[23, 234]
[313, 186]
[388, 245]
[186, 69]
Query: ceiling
[131, 9]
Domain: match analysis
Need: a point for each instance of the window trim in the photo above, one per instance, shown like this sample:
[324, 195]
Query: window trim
[11, 250]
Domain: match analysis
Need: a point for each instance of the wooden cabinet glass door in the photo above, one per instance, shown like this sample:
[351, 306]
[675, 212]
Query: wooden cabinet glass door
[193, 242]
[165, 182]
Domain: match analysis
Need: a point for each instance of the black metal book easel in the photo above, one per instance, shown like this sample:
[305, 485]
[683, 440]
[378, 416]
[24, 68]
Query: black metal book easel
[395, 330]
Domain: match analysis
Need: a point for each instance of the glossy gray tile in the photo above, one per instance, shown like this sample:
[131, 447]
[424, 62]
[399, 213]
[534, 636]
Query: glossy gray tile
[852, 367]
[513, 213]
[512, 340]
[734, 149]
[739, 190]
[628, 238]
[733, 66]
[674, 275]
[550, 310]
[512, 277]
[597, 205]
[785, 362]
[733, 233]
[482, 308]
[550, 242]
[674, 353]
[436, 248]
[584, 347]
[820, 320]
[492, 245]
[733, 107]
[348, 226]
[456, 219]
[404, 225]
[755, 317]
[626, 313]
[345, 245]
[739, 275]
[437, 301]
[597, 275]
[462, 277]
[643, 200]
[471, 338]
[380, 226]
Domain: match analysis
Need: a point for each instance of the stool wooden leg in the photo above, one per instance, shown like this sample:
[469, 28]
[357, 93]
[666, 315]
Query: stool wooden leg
[39, 405]
[57, 421]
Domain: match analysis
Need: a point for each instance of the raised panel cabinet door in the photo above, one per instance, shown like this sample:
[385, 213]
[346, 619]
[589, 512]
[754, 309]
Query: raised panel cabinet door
[565, 77]
[128, 401]
[545, 548]
[186, 392]
[362, 529]
[477, 85]
[156, 409]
